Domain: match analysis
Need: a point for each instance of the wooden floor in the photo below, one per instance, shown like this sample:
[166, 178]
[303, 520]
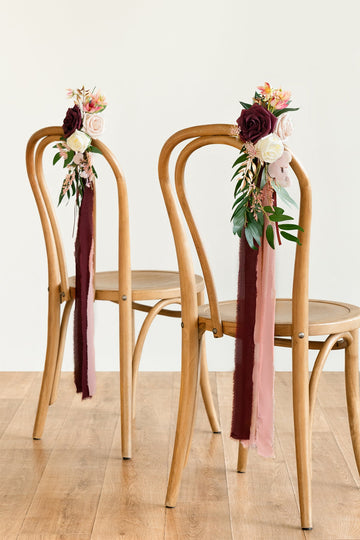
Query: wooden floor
[73, 484]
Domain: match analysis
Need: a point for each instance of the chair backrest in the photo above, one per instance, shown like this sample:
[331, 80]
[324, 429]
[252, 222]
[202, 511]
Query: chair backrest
[57, 271]
[224, 134]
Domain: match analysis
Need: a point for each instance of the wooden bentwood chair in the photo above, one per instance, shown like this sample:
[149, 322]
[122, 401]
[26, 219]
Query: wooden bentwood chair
[124, 287]
[296, 320]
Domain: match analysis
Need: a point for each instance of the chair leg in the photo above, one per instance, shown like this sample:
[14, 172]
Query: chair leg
[302, 429]
[125, 342]
[242, 458]
[186, 412]
[63, 330]
[205, 383]
[352, 393]
[52, 349]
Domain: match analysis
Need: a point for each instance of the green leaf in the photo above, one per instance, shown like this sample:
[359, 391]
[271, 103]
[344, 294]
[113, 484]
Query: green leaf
[94, 171]
[261, 220]
[255, 229]
[249, 237]
[240, 159]
[283, 194]
[237, 187]
[245, 105]
[263, 178]
[278, 217]
[277, 112]
[270, 236]
[61, 196]
[69, 159]
[238, 223]
[290, 227]
[278, 210]
[56, 158]
[238, 209]
[237, 172]
[68, 194]
[268, 209]
[240, 199]
[94, 150]
[290, 237]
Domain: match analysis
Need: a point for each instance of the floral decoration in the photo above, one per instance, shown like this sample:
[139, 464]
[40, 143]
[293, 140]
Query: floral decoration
[262, 167]
[82, 123]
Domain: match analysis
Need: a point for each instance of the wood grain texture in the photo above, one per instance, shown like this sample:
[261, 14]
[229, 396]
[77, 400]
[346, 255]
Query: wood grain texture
[131, 501]
[73, 485]
[262, 500]
[203, 508]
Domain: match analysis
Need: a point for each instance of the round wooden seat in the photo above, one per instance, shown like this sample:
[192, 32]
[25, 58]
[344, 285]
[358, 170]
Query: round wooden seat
[325, 317]
[146, 285]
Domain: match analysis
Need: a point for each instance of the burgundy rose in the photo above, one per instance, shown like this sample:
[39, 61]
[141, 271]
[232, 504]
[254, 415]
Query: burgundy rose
[72, 121]
[255, 123]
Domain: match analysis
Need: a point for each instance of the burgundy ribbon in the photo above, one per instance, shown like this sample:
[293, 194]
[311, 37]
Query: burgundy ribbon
[244, 345]
[83, 262]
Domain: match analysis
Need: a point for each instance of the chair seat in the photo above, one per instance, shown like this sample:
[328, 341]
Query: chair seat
[146, 285]
[325, 317]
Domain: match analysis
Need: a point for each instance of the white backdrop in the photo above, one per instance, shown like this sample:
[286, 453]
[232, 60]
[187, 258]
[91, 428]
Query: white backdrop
[165, 65]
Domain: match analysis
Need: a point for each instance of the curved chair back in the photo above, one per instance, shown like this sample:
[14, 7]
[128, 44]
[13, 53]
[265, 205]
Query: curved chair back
[57, 270]
[225, 134]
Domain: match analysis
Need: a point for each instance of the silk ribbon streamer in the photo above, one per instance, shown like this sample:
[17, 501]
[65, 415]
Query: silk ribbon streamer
[253, 401]
[84, 356]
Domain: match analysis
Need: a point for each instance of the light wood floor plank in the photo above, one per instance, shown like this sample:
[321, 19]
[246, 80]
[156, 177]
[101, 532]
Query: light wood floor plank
[336, 499]
[132, 498]
[262, 502]
[14, 383]
[68, 493]
[73, 484]
[22, 461]
[202, 510]
[336, 415]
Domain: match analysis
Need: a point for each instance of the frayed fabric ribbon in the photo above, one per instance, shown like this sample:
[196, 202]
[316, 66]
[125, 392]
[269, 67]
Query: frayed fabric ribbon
[253, 401]
[84, 354]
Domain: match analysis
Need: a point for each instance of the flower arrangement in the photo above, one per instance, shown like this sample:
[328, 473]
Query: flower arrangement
[262, 168]
[81, 124]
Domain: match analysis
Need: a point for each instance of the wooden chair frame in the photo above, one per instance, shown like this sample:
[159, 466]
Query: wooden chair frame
[341, 335]
[59, 289]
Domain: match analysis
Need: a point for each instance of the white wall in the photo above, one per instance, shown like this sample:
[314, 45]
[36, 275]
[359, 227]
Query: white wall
[166, 65]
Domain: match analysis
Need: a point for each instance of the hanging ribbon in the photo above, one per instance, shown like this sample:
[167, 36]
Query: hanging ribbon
[253, 401]
[84, 356]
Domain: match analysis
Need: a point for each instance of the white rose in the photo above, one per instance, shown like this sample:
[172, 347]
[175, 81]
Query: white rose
[94, 125]
[284, 127]
[269, 148]
[78, 141]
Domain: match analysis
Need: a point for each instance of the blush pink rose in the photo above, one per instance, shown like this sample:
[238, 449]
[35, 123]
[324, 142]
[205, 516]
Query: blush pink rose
[94, 125]
[284, 127]
[279, 169]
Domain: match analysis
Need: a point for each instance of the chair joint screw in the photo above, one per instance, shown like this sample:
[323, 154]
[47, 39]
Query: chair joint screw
[301, 335]
[124, 297]
[214, 330]
[182, 325]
